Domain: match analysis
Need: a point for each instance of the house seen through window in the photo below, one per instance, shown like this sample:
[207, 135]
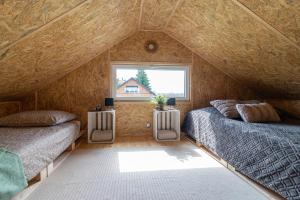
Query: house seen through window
[132, 88]
[141, 82]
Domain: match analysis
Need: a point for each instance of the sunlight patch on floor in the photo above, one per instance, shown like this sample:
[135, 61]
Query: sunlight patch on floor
[161, 160]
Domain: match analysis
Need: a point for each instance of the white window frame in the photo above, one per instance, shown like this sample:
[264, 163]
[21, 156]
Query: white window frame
[147, 66]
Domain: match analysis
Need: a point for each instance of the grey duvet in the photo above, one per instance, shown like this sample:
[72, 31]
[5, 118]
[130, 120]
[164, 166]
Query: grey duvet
[39, 146]
[266, 153]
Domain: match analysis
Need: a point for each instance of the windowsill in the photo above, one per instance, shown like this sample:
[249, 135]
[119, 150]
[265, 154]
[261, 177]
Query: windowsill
[146, 101]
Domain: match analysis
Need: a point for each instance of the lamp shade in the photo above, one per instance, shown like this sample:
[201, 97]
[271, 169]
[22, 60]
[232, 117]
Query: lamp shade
[171, 102]
[109, 101]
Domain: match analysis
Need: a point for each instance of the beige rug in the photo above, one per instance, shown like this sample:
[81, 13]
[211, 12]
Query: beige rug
[163, 172]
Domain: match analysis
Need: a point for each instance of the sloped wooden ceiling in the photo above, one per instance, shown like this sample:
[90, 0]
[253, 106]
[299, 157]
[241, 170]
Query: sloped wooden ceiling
[254, 41]
[155, 14]
[42, 41]
[240, 43]
[19, 18]
[283, 15]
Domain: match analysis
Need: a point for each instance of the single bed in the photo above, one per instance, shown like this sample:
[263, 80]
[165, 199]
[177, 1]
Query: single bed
[39, 146]
[267, 153]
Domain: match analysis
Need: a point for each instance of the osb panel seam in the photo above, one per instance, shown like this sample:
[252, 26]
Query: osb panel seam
[266, 24]
[99, 54]
[172, 14]
[53, 52]
[232, 40]
[141, 15]
[192, 85]
[156, 13]
[282, 15]
[41, 27]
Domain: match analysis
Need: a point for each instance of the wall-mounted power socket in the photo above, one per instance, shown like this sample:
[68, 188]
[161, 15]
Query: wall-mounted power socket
[148, 125]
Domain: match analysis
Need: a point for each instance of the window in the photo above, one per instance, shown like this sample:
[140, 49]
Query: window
[141, 82]
[130, 89]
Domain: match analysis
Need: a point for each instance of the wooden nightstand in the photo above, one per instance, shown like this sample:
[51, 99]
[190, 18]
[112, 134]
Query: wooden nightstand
[101, 126]
[166, 125]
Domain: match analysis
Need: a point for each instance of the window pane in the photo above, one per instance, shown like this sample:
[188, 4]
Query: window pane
[170, 83]
[129, 89]
[147, 82]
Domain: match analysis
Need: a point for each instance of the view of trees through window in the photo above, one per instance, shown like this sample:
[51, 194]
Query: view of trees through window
[142, 78]
[147, 82]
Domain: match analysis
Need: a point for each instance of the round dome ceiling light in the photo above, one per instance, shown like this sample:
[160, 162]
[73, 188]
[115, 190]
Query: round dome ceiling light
[151, 46]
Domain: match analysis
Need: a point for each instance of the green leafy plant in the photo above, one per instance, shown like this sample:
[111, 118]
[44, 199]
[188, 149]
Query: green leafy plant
[159, 101]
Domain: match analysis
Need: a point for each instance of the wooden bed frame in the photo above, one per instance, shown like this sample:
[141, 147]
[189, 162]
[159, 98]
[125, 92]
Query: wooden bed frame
[261, 188]
[37, 180]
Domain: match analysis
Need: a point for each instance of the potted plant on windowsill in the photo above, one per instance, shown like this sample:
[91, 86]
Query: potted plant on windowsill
[160, 101]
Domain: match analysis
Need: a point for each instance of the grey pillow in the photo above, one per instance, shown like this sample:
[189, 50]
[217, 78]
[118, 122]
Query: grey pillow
[227, 107]
[262, 112]
[36, 118]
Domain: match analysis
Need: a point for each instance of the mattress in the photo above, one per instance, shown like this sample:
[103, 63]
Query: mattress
[266, 153]
[39, 146]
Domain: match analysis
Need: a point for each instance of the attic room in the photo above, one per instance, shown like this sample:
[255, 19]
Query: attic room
[149, 99]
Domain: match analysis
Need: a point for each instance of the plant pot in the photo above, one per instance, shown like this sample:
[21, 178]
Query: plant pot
[160, 107]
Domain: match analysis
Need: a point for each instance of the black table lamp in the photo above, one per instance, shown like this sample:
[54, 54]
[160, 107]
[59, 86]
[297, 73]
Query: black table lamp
[109, 102]
[171, 102]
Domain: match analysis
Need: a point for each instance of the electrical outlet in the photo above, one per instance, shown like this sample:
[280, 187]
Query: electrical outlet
[148, 125]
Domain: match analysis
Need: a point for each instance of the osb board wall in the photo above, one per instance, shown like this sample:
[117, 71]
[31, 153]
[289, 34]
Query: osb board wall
[79, 91]
[88, 85]
[169, 50]
[9, 107]
[62, 45]
[29, 102]
[133, 117]
[282, 15]
[290, 106]
[209, 83]
[238, 43]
